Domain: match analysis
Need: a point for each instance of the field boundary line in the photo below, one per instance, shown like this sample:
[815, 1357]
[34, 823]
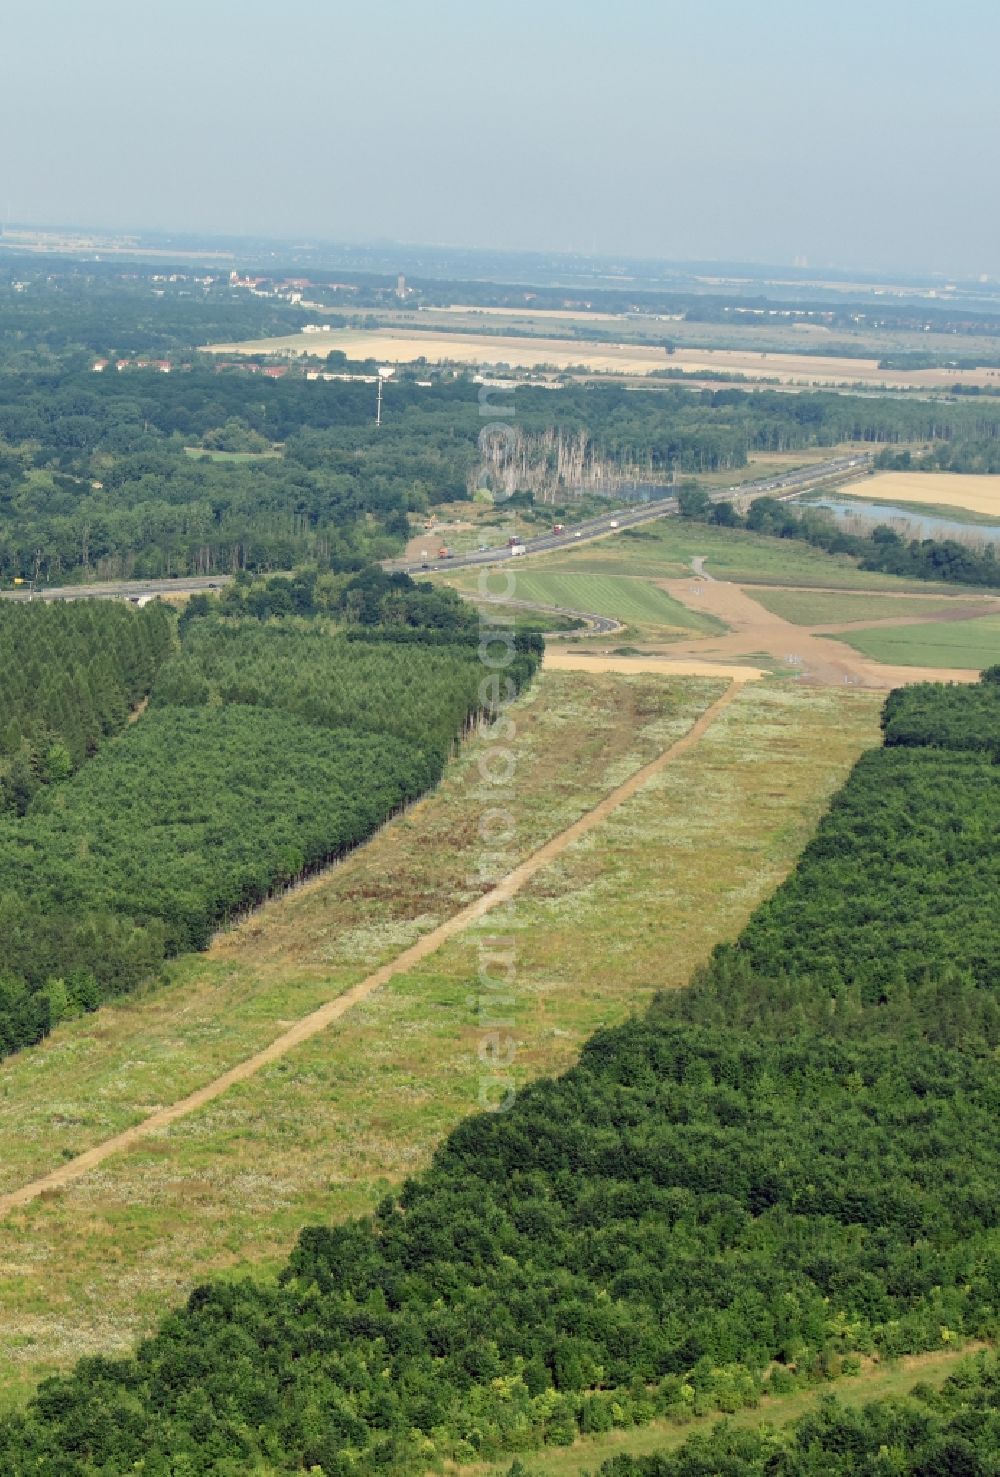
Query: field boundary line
[318, 1020]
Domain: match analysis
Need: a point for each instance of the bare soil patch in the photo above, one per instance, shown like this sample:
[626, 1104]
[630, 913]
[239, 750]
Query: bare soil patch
[810, 653]
[567, 659]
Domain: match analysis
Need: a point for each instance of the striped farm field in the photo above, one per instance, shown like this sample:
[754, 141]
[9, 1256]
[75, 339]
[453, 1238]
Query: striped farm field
[971, 644]
[829, 608]
[623, 597]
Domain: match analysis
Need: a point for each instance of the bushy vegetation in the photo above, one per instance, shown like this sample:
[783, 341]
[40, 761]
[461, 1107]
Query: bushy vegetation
[964, 454]
[951, 1432]
[367, 598]
[69, 676]
[791, 1164]
[100, 474]
[422, 694]
[268, 750]
[927, 715]
[882, 550]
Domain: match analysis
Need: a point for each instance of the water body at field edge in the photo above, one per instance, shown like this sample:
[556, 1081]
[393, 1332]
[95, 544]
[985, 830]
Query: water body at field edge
[917, 525]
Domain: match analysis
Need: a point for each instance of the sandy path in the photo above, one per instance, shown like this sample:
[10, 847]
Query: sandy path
[565, 659]
[754, 631]
[318, 1020]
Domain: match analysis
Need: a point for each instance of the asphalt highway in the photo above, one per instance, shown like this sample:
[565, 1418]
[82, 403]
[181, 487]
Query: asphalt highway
[616, 519]
[603, 525]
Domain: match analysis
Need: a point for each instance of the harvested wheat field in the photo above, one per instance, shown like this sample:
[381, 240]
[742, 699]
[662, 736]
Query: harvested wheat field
[805, 370]
[940, 489]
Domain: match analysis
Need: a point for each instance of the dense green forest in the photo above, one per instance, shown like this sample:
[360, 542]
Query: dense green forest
[424, 694]
[952, 1432]
[69, 676]
[964, 454]
[50, 310]
[791, 1164]
[117, 474]
[927, 715]
[268, 749]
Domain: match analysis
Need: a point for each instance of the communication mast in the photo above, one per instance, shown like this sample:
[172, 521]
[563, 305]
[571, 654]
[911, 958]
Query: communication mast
[384, 372]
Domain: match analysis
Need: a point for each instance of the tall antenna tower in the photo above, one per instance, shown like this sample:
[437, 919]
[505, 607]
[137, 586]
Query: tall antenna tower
[383, 375]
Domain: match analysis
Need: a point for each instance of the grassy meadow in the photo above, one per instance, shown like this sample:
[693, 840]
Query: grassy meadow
[972, 644]
[324, 1132]
[826, 608]
[632, 600]
[664, 550]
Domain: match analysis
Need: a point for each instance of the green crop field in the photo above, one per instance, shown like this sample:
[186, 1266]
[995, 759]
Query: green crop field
[635, 601]
[826, 608]
[624, 598]
[972, 644]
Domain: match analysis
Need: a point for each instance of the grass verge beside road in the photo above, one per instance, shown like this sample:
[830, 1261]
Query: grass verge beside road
[636, 602]
[664, 550]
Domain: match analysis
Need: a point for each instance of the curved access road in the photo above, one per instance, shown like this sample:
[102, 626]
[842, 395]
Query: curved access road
[598, 625]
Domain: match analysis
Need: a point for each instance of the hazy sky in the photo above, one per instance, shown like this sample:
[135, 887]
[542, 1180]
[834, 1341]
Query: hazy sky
[860, 132]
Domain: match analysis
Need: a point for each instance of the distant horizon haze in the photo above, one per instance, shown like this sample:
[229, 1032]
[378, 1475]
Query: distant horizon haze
[204, 243]
[865, 135]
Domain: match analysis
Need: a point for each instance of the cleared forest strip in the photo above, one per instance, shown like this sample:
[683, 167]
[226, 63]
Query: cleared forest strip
[324, 1133]
[318, 1020]
[576, 738]
[877, 1381]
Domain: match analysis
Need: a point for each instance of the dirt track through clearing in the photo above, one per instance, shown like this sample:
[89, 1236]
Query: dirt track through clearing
[318, 1020]
[817, 656]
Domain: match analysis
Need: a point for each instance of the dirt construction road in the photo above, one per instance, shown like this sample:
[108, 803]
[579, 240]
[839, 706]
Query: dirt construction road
[756, 635]
[312, 1024]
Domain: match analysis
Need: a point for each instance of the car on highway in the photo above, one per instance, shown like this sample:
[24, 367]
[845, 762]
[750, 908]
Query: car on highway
[613, 523]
